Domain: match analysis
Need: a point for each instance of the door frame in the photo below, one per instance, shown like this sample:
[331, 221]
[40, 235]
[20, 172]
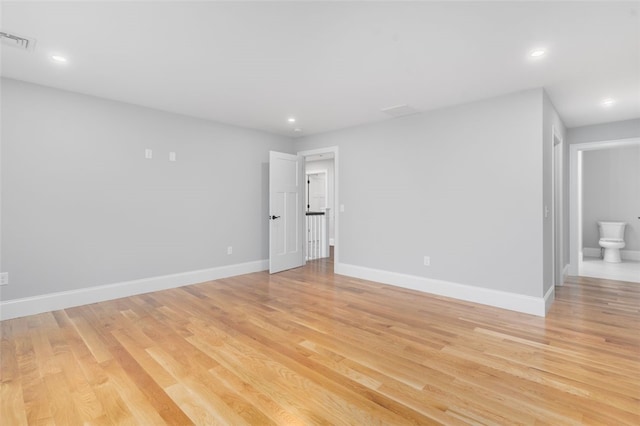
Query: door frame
[336, 191]
[557, 227]
[575, 194]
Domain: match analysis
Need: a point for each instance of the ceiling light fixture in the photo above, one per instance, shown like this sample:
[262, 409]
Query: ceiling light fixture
[537, 53]
[297, 129]
[59, 59]
[291, 120]
[608, 102]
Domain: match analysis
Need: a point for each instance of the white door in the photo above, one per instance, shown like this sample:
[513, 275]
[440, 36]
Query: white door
[286, 180]
[317, 191]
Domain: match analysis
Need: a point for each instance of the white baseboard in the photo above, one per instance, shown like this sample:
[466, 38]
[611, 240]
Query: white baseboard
[549, 297]
[624, 254]
[563, 275]
[66, 299]
[501, 299]
[630, 255]
[590, 252]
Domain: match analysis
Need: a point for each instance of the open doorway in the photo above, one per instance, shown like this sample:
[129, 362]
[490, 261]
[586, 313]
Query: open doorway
[321, 201]
[318, 211]
[587, 209]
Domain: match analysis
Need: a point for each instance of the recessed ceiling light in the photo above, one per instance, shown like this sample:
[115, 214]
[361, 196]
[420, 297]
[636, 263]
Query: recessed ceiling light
[537, 53]
[608, 102]
[291, 120]
[59, 59]
[297, 129]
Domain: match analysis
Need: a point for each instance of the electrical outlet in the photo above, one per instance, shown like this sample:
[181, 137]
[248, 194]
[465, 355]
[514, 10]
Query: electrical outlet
[229, 250]
[427, 261]
[4, 278]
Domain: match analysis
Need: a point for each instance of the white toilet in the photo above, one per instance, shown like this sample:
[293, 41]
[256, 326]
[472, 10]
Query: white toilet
[612, 240]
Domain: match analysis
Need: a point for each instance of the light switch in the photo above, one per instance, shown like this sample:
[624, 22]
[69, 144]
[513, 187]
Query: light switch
[172, 156]
[148, 154]
[341, 208]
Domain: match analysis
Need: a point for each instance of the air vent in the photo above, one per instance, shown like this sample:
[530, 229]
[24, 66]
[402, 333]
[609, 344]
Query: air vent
[14, 40]
[400, 110]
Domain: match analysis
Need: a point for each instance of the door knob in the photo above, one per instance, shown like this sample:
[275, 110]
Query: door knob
[274, 217]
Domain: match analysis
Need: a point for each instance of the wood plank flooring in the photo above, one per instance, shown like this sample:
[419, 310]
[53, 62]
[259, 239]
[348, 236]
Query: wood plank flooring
[306, 347]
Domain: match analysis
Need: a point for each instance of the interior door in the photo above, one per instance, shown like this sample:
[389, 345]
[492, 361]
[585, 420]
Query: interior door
[317, 191]
[286, 227]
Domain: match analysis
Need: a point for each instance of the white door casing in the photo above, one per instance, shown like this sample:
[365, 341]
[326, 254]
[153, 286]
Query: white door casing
[333, 152]
[575, 194]
[286, 206]
[558, 210]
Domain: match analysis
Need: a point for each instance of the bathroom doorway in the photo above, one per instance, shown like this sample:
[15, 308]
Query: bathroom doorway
[597, 193]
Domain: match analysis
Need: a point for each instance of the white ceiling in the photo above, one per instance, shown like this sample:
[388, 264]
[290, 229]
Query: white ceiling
[331, 64]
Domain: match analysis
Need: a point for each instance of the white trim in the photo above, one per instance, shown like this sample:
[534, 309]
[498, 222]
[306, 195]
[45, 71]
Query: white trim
[591, 252]
[624, 254]
[66, 299]
[575, 207]
[575, 202]
[565, 272]
[630, 255]
[336, 193]
[557, 214]
[548, 298]
[501, 299]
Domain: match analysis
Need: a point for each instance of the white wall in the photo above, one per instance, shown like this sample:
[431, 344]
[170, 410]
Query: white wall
[611, 192]
[81, 207]
[326, 165]
[463, 185]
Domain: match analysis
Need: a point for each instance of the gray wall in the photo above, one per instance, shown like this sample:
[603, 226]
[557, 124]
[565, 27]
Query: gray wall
[611, 192]
[82, 207]
[462, 185]
[605, 132]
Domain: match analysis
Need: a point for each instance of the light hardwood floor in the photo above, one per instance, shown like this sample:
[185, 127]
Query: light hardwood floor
[308, 347]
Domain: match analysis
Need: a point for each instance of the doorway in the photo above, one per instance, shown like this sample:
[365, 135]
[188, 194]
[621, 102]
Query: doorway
[322, 166]
[576, 152]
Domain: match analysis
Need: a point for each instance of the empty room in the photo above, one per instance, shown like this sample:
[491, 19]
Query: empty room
[319, 212]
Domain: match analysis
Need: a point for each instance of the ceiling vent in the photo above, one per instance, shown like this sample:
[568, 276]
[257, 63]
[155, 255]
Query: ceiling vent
[14, 40]
[400, 110]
